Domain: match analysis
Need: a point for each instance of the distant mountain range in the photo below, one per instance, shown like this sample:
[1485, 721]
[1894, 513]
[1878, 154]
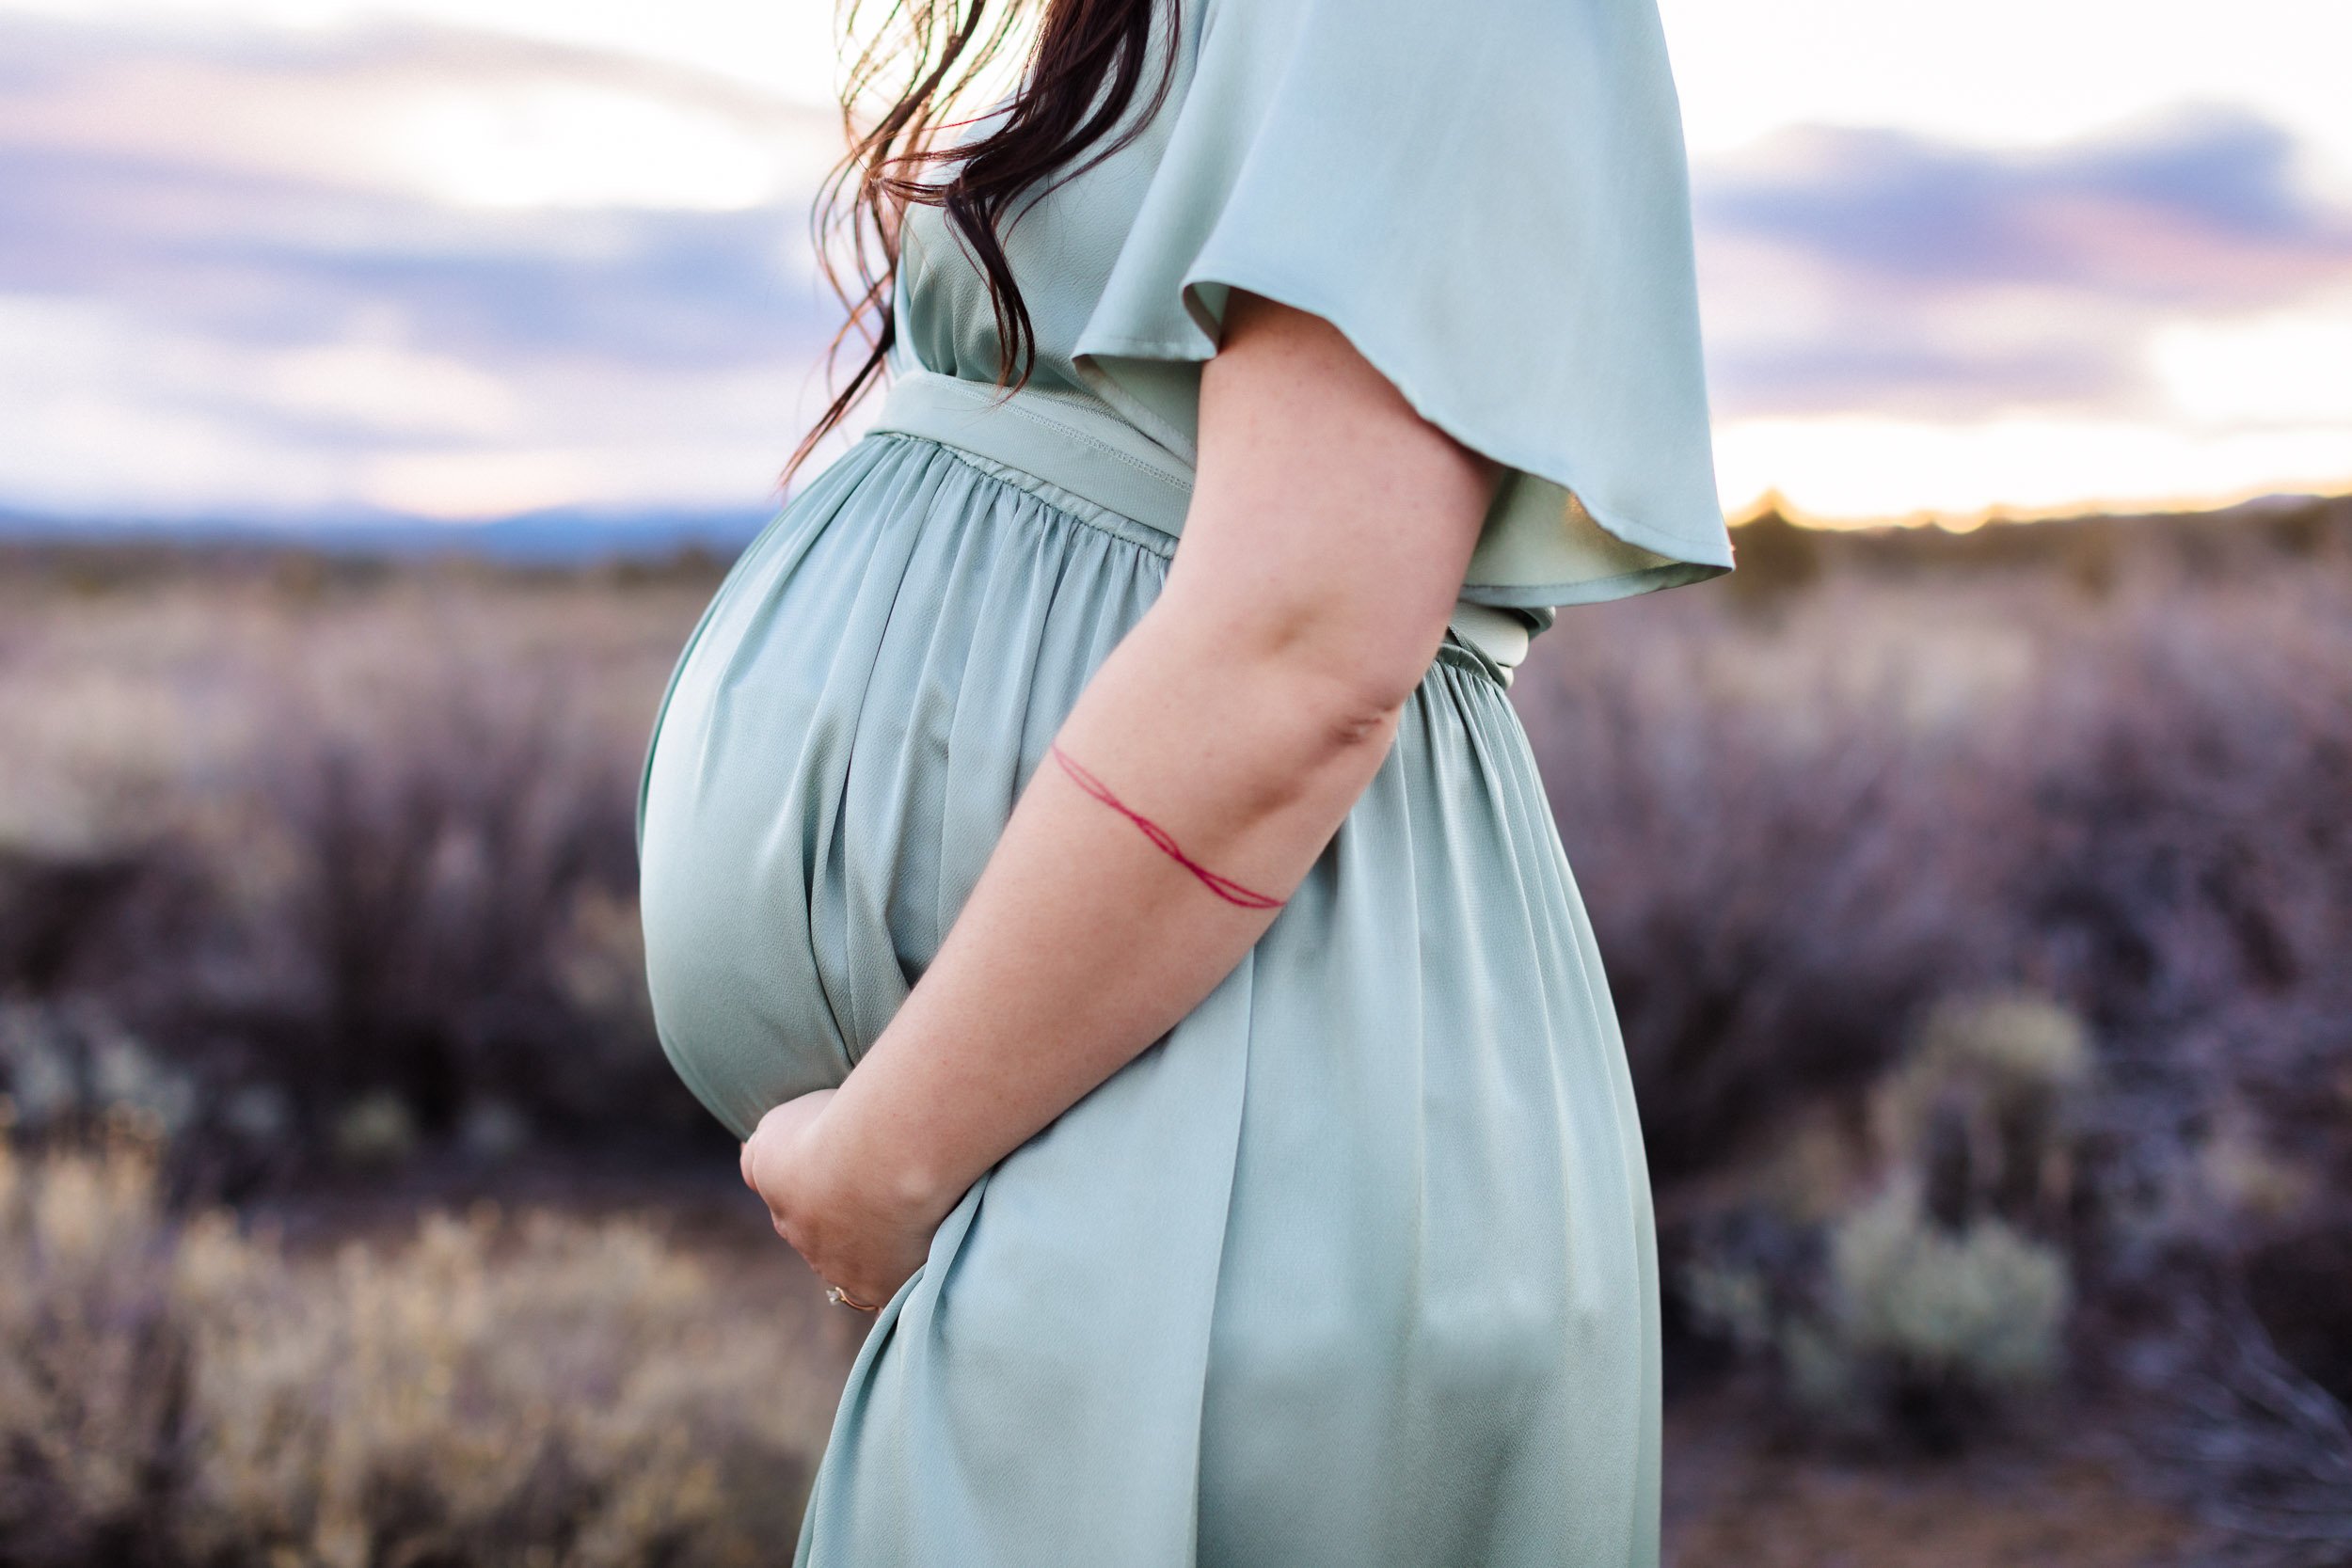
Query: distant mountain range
[563, 536]
[560, 535]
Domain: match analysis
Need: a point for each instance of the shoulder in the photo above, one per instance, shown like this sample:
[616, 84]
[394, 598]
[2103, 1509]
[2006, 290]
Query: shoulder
[1433, 53]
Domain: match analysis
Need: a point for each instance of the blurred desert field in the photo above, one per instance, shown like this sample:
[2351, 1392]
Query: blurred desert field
[1979, 908]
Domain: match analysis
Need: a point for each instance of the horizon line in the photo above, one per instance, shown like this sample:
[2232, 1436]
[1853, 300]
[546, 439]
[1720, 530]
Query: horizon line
[1955, 521]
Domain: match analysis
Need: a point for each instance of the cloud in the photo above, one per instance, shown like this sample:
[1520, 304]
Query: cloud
[273, 187]
[269, 260]
[223, 252]
[377, 106]
[267, 269]
[1870, 270]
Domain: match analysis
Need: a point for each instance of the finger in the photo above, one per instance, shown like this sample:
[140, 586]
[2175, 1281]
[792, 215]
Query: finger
[853, 1299]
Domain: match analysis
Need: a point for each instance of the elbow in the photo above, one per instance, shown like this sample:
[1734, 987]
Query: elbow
[1340, 675]
[1351, 714]
[1362, 699]
[1361, 666]
[1347, 694]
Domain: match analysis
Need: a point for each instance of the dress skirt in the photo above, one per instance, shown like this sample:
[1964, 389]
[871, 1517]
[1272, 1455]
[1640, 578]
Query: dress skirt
[1353, 1267]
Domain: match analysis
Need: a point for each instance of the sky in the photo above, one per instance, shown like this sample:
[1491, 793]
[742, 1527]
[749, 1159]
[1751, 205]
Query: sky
[316, 260]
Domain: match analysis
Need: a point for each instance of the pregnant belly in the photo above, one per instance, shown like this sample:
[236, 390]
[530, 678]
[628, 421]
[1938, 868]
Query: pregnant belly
[842, 742]
[781, 875]
[752, 976]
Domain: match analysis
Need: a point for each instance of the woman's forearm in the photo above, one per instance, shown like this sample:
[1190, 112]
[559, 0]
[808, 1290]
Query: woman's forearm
[1085, 938]
[1233, 730]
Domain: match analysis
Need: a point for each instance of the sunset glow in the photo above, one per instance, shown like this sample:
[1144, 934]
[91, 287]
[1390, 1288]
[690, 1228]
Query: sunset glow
[462, 257]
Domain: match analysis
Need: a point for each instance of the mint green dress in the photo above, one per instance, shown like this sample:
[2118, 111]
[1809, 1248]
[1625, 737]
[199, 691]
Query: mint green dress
[1354, 1267]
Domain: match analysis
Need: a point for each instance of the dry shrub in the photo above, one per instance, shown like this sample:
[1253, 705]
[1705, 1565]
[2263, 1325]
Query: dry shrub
[1981, 1303]
[1795, 836]
[2123, 788]
[91, 1358]
[492, 1389]
[323, 839]
[2106, 761]
[1940, 1292]
[1781, 848]
[2193, 885]
[1987, 1106]
[438, 841]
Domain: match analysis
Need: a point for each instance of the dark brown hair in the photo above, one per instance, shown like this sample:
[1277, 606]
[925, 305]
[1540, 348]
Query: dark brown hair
[1083, 72]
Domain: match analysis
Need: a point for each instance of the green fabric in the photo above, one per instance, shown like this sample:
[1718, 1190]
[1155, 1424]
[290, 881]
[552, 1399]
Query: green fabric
[1352, 1269]
[1082, 449]
[1491, 199]
[1355, 1268]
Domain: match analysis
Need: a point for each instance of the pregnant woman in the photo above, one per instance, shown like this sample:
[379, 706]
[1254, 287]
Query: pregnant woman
[1090, 857]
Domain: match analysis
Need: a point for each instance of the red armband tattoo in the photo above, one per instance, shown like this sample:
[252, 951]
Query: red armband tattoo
[1224, 887]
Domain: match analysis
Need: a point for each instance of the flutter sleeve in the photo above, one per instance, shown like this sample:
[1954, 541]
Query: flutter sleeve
[1491, 199]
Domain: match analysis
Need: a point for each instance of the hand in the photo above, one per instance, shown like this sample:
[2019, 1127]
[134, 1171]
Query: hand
[850, 1233]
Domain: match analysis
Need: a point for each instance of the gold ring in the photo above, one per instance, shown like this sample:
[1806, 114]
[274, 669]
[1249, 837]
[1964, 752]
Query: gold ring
[836, 1293]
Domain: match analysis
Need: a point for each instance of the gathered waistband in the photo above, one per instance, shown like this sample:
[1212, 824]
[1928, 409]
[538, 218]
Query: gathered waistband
[1068, 441]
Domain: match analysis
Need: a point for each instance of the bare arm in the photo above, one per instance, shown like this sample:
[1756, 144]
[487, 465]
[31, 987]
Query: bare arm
[1243, 715]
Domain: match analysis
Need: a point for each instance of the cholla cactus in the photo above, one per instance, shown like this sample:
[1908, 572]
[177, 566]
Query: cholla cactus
[1984, 1305]
[1946, 1290]
[1898, 1319]
[1981, 1107]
